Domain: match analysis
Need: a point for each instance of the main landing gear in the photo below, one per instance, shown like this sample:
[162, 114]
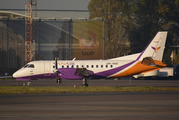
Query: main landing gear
[85, 82]
[59, 81]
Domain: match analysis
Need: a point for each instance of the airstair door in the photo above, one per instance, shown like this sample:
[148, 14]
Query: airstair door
[47, 69]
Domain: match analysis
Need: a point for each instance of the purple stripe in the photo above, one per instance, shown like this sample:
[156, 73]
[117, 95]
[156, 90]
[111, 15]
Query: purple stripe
[140, 55]
[107, 73]
[23, 79]
[69, 73]
[64, 73]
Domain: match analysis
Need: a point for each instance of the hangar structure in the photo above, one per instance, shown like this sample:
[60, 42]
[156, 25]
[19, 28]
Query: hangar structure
[62, 34]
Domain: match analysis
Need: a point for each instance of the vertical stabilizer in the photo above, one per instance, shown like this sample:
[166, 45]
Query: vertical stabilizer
[156, 47]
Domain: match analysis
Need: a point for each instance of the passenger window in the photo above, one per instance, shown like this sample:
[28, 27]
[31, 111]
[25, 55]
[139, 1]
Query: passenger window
[101, 66]
[72, 66]
[96, 66]
[53, 66]
[62, 66]
[82, 66]
[87, 66]
[106, 66]
[111, 66]
[91, 66]
[67, 66]
[31, 66]
[76, 66]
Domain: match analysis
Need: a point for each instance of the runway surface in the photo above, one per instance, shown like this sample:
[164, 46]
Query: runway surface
[92, 106]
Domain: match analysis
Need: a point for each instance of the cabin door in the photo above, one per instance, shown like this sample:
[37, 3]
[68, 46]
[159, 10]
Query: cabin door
[47, 69]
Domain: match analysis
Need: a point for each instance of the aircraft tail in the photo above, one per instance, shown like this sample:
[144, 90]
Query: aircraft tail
[156, 47]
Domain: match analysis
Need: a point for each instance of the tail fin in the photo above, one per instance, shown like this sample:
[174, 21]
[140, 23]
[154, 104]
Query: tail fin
[156, 47]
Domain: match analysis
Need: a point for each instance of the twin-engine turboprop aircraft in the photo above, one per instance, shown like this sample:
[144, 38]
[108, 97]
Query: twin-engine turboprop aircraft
[148, 60]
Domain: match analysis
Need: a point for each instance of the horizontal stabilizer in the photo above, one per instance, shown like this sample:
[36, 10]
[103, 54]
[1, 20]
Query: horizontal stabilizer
[150, 62]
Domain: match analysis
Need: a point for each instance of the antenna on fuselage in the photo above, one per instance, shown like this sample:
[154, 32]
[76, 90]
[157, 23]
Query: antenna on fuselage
[74, 59]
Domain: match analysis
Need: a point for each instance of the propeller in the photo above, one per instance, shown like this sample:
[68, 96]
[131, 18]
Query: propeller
[56, 71]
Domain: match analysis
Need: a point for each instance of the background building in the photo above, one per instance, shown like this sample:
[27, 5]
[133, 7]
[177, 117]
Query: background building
[63, 37]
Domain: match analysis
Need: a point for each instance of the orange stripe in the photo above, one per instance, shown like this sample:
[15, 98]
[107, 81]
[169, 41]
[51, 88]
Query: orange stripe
[138, 68]
[157, 48]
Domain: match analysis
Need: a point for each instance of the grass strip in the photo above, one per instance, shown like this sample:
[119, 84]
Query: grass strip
[40, 90]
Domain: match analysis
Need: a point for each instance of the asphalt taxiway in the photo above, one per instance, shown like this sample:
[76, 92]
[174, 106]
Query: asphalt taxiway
[108, 82]
[91, 106]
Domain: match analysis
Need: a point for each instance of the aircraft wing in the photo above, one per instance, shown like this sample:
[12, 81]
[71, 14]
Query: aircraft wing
[74, 73]
[83, 72]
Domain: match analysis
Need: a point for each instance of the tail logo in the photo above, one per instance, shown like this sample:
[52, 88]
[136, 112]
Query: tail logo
[156, 49]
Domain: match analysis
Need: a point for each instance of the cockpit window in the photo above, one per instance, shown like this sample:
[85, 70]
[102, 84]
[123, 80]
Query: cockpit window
[26, 65]
[31, 66]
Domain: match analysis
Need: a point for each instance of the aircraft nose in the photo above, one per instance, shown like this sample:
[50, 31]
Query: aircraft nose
[15, 75]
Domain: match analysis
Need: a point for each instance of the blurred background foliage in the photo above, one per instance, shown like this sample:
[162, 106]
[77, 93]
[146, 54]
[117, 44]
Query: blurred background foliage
[131, 24]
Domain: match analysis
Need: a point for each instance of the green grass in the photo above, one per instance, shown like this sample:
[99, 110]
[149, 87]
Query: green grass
[7, 78]
[40, 90]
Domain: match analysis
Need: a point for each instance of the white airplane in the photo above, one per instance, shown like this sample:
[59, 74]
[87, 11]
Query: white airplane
[148, 60]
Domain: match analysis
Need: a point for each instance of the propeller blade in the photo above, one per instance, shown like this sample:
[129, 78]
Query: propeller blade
[56, 71]
[56, 64]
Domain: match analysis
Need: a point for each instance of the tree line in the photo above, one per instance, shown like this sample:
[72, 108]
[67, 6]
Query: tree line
[131, 24]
